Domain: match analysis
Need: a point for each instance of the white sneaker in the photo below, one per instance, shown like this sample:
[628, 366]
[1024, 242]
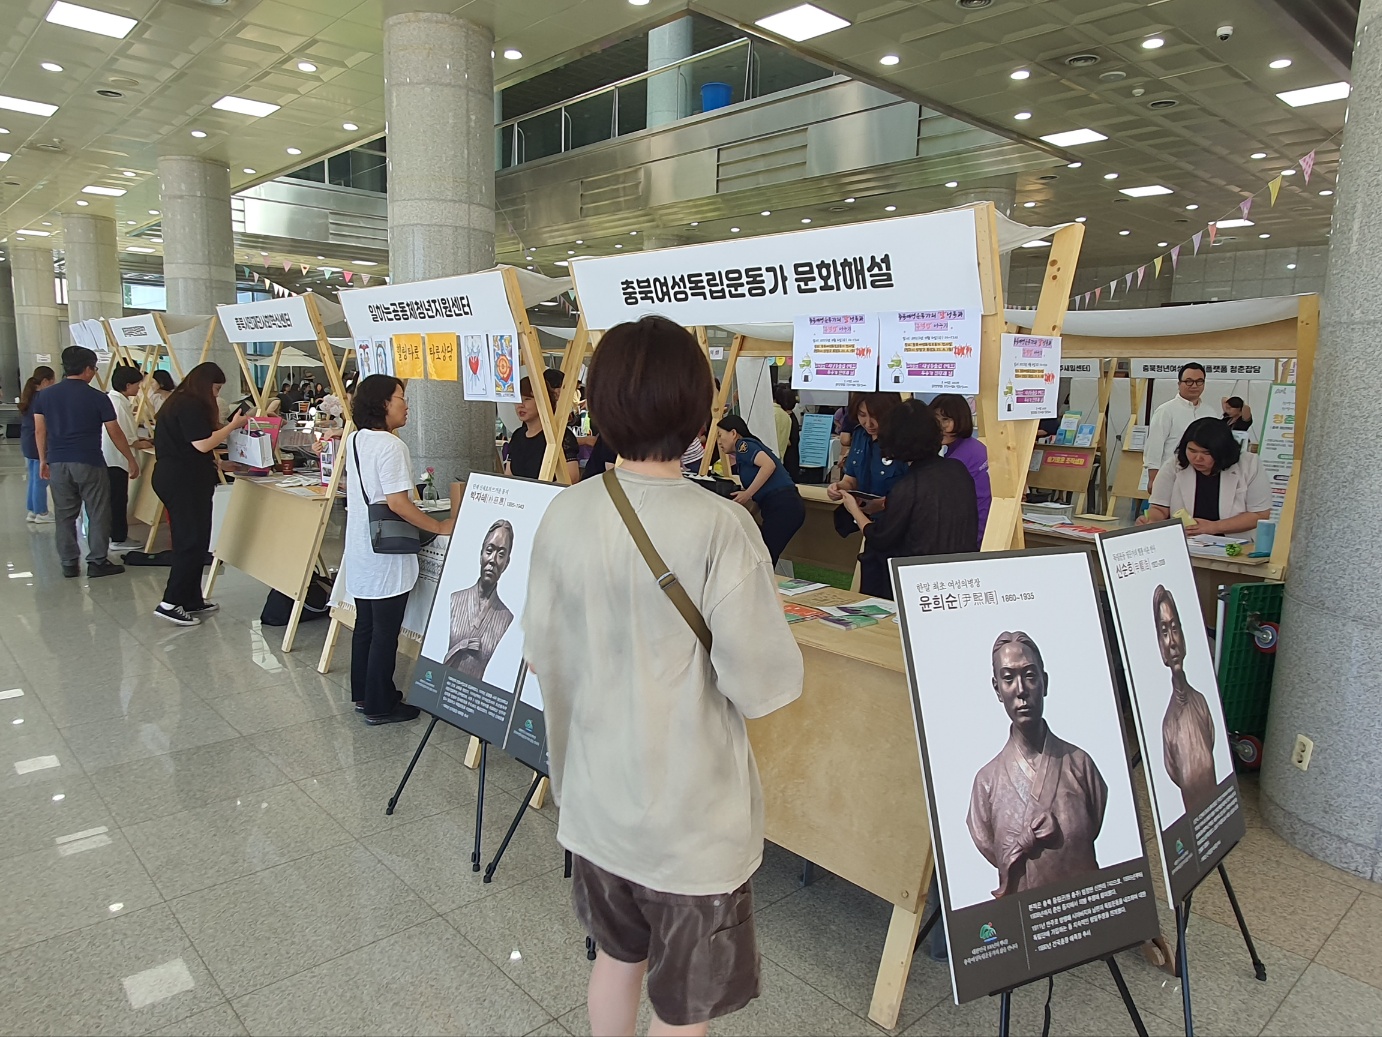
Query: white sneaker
[177, 614]
[42, 517]
[28, 516]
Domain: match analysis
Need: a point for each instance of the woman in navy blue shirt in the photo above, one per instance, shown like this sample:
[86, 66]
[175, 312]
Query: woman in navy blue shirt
[765, 480]
[865, 467]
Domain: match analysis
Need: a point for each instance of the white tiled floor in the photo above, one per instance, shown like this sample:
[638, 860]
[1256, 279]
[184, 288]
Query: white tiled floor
[193, 832]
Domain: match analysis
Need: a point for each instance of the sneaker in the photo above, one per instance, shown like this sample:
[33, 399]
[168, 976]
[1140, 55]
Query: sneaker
[28, 516]
[177, 614]
[41, 517]
[71, 571]
[401, 714]
[359, 707]
[106, 568]
[207, 608]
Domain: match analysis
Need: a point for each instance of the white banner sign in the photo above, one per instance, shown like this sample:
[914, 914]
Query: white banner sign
[930, 351]
[272, 320]
[912, 263]
[1079, 369]
[835, 352]
[1226, 370]
[1028, 377]
[135, 332]
[1277, 451]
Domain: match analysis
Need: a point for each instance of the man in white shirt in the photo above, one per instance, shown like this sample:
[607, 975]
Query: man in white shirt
[124, 386]
[1172, 418]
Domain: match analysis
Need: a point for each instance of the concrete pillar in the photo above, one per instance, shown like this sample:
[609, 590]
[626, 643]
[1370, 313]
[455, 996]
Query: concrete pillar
[198, 253]
[10, 380]
[35, 309]
[439, 110]
[669, 95]
[93, 268]
[1002, 192]
[1329, 667]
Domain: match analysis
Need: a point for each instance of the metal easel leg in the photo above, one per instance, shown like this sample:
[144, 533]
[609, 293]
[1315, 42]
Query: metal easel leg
[1005, 1011]
[508, 836]
[1183, 964]
[479, 808]
[1126, 994]
[411, 764]
[1259, 970]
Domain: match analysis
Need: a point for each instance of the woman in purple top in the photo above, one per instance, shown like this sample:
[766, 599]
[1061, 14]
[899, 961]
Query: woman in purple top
[957, 430]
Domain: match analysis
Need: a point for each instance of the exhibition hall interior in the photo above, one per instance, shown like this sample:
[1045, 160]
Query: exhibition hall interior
[600, 517]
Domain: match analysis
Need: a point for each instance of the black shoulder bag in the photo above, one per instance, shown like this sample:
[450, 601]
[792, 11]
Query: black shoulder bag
[388, 534]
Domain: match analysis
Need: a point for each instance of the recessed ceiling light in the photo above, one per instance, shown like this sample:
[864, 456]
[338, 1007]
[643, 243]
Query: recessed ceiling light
[129, 173]
[295, 151]
[81, 202]
[889, 59]
[1069, 138]
[806, 219]
[766, 212]
[1325, 194]
[1110, 176]
[580, 241]
[153, 212]
[1021, 73]
[306, 66]
[1162, 244]
[1022, 116]
[47, 223]
[349, 127]
[109, 192]
[512, 54]
[248, 170]
[1124, 233]
[1280, 63]
[1315, 94]
[734, 230]
[571, 252]
[849, 201]
[1288, 172]
[84, 18]
[159, 240]
[618, 246]
[50, 66]
[804, 22]
[1074, 165]
[18, 104]
[1153, 43]
[561, 262]
[952, 183]
[1264, 237]
[3, 130]
[199, 133]
[640, 3]
[1081, 219]
[632, 233]
[130, 223]
[5, 156]
[1029, 205]
[1145, 192]
[1231, 224]
[1290, 266]
[1258, 155]
[890, 208]
[35, 233]
[244, 106]
[1191, 207]
[364, 262]
[695, 223]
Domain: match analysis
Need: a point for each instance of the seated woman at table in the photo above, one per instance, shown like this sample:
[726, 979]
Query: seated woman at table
[866, 468]
[958, 441]
[764, 479]
[1221, 485]
[932, 509]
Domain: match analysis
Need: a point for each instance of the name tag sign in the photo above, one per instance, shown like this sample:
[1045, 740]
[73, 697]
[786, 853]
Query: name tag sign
[273, 320]
[135, 332]
[1263, 370]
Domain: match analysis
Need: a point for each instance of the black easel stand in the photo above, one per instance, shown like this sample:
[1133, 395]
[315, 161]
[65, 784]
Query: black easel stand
[1183, 955]
[508, 836]
[1005, 1002]
[479, 796]
[589, 941]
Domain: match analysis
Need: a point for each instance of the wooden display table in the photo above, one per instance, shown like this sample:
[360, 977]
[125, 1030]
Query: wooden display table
[817, 543]
[861, 812]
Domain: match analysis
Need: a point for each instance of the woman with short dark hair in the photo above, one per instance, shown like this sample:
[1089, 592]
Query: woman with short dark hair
[187, 434]
[867, 468]
[379, 470]
[650, 756]
[1214, 480]
[763, 479]
[958, 441]
[162, 389]
[932, 508]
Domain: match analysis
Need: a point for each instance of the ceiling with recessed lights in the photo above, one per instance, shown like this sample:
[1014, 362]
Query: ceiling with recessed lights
[1178, 126]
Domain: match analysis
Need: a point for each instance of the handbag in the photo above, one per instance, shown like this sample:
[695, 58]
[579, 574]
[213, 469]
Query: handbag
[666, 579]
[388, 534]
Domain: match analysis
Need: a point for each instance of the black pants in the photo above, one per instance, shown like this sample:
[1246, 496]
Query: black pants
[119, 504]
[374, 653]
[782, 514]
[189, 520]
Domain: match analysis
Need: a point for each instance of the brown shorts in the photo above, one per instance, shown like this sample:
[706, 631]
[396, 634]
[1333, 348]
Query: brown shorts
[701, 951]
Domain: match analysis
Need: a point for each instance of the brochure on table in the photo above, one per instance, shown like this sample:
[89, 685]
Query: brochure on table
[463, 325]
[1028, 377]
[471, 671]
[1180, 719]
[420, 598]
[1038, 847]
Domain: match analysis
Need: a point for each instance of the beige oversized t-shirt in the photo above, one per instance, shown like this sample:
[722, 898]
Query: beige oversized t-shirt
[651, 763]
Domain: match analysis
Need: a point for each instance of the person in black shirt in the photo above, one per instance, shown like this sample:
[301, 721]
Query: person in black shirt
[188, 433]
[1237, 414]
[529, 443]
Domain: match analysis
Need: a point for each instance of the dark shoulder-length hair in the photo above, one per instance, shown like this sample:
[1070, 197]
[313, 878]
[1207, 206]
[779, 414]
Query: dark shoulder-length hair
[910, 433]
[370, 404]
[198, 389]
[1213, 435]
[42, 373]
[956, 408]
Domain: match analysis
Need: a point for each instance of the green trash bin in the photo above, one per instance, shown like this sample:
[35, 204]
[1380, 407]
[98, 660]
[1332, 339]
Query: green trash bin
[1247, 660]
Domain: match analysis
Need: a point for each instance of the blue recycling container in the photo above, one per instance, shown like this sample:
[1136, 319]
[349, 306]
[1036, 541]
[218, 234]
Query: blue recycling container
[716, 95]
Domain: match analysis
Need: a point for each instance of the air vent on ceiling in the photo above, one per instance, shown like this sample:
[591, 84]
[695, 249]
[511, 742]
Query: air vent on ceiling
[1165, 102]
[122, 81]
[1048, 178]
[1082, 60]
[973, 5]
[52, 146]
[839, 208]
[11, 183]
[1113, 75]
[109, 93]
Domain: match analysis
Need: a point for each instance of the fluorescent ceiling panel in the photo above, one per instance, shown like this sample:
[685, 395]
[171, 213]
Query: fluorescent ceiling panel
[1070, 138]
[802, 23]
[1231, 224]
[1315, 94]
[1145, 192]
[244, 106]
[88, 20]
[18, 104]
[110, 192]
[35, 233]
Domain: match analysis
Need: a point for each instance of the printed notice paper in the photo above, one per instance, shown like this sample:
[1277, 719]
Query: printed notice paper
[1028, 377]
[1278, 449]
[836, 352]
[930, 351]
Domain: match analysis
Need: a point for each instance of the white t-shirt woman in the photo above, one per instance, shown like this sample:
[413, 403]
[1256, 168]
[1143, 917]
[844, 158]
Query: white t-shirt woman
[385, 467]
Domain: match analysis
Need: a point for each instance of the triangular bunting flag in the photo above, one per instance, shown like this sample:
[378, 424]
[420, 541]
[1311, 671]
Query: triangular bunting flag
[347, 274]
[1098, 293]
[364, 280]
[266, 262]
[1196, 239]
[1141, 273]
[1175, 258]
[1213, 232]
[1245, 206]
[1307, 165]
[287, 265]
[1127, 281]
[1275, 188]
[1113, 288]
[305, 268]
[1156, 263]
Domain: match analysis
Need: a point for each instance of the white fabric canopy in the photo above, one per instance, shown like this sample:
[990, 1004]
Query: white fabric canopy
[177, 323]
[1169, 321]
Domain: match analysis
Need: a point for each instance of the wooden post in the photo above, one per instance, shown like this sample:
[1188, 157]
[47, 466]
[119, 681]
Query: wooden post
[530, 349]
[572, 358]
[722, 395]
[1307, 340]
